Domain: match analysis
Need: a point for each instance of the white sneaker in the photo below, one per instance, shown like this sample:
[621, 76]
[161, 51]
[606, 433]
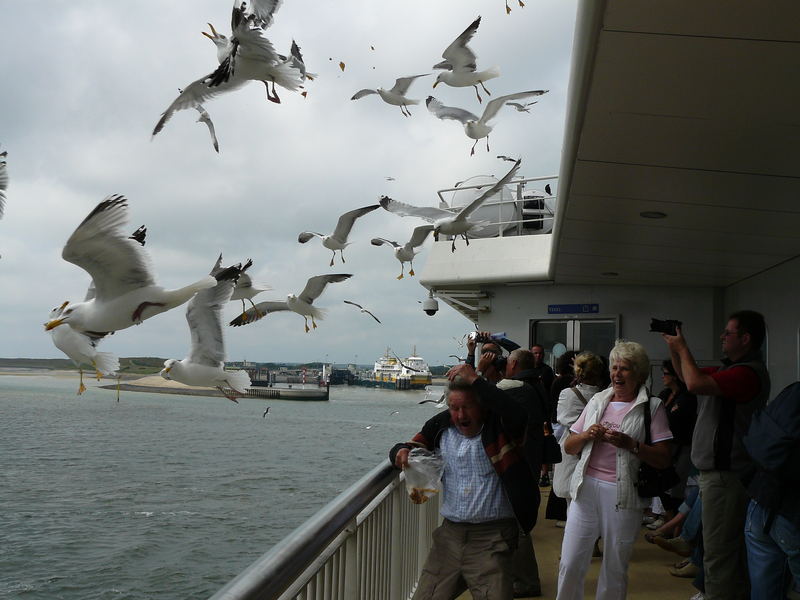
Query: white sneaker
[561, 524]
[698, 596]
[655, 524]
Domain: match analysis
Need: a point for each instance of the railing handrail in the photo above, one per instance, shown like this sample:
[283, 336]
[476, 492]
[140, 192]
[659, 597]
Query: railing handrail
[275, 571]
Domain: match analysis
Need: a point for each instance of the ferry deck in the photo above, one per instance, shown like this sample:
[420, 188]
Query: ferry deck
[677, 197]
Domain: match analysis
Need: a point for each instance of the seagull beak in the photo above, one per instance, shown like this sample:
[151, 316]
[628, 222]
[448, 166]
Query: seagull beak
[53, 324]
[168, 369]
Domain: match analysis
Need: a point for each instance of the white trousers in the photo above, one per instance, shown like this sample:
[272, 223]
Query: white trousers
[591, 515]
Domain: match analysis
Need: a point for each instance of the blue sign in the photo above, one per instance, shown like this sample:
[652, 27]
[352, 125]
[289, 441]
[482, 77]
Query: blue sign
[558, 309]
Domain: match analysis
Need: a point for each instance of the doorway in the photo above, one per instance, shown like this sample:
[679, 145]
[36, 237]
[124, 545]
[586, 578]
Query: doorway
[557, 335]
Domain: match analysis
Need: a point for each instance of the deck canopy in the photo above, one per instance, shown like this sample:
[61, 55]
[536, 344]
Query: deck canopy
[682, 145]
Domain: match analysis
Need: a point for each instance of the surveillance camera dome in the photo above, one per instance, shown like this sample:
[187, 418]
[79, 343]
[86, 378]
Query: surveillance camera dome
[430, 306]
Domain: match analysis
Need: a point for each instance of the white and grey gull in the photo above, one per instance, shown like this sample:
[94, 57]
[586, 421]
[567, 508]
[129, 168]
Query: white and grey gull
[460, 64]
[395, 96]
[405, 253]
[338, 239]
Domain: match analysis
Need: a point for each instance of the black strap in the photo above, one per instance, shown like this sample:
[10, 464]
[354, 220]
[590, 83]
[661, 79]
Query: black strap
[647, 418]
[579, 395]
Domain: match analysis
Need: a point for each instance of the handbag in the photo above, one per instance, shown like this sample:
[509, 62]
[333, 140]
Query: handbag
[551, 450]
[653, 482]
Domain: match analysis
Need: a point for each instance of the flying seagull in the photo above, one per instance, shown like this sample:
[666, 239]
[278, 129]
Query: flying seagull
[245, 288]
[266, 412]
[3, 181]
[460, 66]
[81, 349]
[476, 127]
[301, 304]
[506, 158]
[444, 221]
[522, 107]
[395, 96]
[121, 272]
[246, 56]
[547, 190]
[338, 239]
[406, 252]
[205, 365]
[404, 365]
[363, 310]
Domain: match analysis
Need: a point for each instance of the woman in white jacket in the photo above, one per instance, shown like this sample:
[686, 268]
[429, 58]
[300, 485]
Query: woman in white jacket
[609, 436]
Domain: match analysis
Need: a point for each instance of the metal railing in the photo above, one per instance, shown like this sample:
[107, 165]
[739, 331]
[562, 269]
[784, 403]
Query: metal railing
[369, 542]
[530, 215]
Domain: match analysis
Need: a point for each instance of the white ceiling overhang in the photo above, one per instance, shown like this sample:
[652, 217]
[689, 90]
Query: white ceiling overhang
[690, 109]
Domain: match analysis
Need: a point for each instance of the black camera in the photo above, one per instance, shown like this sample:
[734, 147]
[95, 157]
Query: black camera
[668, 326]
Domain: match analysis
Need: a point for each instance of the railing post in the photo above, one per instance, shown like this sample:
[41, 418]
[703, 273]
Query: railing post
[396, 572]
[351, 560]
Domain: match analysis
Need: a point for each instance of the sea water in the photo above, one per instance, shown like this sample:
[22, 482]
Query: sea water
[167, 496]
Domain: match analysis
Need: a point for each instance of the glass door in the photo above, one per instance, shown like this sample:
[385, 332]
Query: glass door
[559, 335]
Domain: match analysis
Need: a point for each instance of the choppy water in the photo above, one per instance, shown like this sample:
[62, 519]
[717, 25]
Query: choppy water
[166, 496]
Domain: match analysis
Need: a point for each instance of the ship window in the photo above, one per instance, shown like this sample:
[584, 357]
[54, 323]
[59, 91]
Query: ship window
[594, 334]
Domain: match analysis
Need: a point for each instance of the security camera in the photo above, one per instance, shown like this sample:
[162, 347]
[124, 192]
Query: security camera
[430, 306]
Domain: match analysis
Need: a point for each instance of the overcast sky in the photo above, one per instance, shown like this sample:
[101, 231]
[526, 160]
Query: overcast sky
[84, 82]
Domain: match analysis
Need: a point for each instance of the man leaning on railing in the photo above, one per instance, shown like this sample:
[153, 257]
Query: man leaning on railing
[487, 489]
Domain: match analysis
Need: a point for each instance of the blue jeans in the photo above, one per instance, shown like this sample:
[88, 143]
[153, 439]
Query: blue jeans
[770, 556]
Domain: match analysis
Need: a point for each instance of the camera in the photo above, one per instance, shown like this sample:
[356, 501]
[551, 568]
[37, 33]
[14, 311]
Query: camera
[668, 326]
[430, 306]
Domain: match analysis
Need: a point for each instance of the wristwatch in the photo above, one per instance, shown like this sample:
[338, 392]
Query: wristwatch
[635, 449]
[479, 373]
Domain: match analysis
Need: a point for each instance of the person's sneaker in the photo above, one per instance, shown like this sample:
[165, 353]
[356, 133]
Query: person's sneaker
[677, 545]
[698, 596]
[544, 481]
[561, 524]
[688, 570]
[647, 519]
[655, 524]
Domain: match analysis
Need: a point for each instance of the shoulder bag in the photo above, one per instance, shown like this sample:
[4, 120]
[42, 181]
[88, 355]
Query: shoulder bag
[562, 472]
[653, 482]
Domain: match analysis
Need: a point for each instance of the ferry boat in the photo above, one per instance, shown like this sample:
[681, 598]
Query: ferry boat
[411, 372]
[676, 198]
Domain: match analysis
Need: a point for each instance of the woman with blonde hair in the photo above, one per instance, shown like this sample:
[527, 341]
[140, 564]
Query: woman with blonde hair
[610, 438]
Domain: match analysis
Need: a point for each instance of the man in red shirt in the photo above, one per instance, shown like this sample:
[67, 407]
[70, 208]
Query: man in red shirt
[727, 397]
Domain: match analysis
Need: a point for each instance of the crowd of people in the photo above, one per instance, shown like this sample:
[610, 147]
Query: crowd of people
[710, 464]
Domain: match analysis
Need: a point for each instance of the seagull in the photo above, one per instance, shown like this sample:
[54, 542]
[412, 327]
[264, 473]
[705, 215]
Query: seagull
[81, 349]
[444, 221]
[404, 365]
[506, 158]
[395, 96]
[458, 358]
[246, 56]
[3, 181]
[406, 252]
[521, 107]
[394, 412]
[474, 126]
[266, 412]
[246, 288]
[205, 365]
[363, 310]
[120, 268]
[459, 62]
[301, 304]
[338, 239]
[547, 190]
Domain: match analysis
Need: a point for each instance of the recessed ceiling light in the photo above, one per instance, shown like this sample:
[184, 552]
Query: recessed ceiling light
[652, 214]
[610, 274]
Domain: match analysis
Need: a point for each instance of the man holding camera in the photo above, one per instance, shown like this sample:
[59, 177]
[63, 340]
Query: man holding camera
[727, 397]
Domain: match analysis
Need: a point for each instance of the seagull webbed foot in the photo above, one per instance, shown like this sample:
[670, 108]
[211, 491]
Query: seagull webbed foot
[411, 272]
[400, 276]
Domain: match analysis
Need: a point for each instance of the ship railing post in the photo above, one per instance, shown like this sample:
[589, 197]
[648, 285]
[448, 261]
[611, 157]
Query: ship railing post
[396, 558]
[352, 575]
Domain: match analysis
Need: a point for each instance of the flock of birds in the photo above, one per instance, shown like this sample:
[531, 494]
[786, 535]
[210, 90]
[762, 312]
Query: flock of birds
[124, 292]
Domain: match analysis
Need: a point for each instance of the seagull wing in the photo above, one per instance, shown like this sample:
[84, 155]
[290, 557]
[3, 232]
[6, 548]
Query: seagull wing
[382, 241]
[353, 303]
[371, 315]
[495, 105]
[261, 310]
[458, 56]
[3, 183]
[361, 93]
[419, 235]
[402, 84]
[205, 118]
[469, 208]
[348, 219]
[429, 213]
[263, 11]
[195, 93]
[449, 112]
[204, 315]
[307, 235]
[316, 285]
[116, 263]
